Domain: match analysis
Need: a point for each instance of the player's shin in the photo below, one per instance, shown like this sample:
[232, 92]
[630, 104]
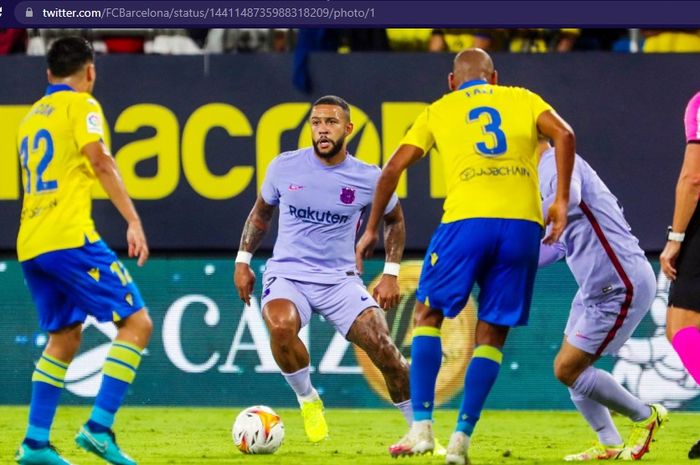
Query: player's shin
[47, 384]
[481, 375]
[686, 343]
[119, 371]
[426, 357]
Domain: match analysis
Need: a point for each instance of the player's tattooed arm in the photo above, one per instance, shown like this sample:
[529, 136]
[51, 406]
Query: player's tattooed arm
[394, 234]
[256, 225]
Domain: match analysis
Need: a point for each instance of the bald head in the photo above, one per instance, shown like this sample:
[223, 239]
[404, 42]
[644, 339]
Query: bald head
[472, 63]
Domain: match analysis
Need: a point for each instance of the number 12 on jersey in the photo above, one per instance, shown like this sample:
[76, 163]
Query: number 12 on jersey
[40, 185]
[491, 126]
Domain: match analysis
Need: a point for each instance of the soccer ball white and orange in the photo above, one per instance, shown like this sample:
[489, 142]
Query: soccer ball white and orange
[258, 430]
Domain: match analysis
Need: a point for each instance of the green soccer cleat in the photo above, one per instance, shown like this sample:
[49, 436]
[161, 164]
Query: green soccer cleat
[643, 433]
[314, 421]
[104, 445]
[45, 456]
[597, 452]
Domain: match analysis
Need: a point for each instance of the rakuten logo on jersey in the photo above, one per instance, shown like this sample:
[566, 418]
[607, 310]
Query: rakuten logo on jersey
[309, 215]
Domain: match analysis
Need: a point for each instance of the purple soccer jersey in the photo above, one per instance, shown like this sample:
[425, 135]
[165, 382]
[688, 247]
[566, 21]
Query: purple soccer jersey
[598, 244]
[320, 211]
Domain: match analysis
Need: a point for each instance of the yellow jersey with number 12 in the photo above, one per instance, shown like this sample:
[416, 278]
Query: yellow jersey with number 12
[486, 136]
[56, 176]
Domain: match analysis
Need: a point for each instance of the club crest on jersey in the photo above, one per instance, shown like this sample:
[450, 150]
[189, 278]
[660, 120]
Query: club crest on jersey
[347, 195]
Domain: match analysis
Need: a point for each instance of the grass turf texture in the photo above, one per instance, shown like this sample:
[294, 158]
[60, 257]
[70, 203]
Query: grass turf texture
[203, 436]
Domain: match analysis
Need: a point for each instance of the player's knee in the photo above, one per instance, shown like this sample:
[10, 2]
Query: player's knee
[146, 324]
[281, 329]
[670, 333]
[565, 371]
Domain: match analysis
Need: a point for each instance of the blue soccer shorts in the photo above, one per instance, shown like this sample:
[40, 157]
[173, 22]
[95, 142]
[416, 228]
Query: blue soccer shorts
[68, 285]
[499, 255]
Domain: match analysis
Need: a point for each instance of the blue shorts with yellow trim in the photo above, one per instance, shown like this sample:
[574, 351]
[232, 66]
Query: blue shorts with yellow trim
[68, 285]
[500, 255]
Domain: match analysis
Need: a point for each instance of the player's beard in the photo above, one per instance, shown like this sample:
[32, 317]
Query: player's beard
[336, 147]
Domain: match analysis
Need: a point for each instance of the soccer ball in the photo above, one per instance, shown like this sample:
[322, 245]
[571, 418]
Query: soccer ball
[258, 430]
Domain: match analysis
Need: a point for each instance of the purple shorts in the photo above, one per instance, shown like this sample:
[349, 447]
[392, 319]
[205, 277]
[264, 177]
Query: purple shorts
[601, 328]
[340, 304]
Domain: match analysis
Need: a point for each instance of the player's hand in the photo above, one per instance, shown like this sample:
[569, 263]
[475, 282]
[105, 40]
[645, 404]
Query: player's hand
[365, 248]
[244, 280]
[556, 217]
[136, 240]
[387, 292]
[668, 259]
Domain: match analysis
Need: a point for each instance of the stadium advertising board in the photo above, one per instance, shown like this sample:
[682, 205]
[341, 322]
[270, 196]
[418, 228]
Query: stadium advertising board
[209, 349]
[193, 135]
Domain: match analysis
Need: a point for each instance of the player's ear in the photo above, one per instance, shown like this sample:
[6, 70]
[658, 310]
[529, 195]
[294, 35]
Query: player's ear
[494, 78]
[90, 72]
[49, 76]
[348, 128]
[451, 81]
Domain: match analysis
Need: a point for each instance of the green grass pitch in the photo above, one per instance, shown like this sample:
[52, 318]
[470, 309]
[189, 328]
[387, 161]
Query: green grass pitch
[192, 436]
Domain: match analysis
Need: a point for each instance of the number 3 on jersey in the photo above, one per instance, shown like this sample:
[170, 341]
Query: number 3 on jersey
[491, 126]
[41, 185]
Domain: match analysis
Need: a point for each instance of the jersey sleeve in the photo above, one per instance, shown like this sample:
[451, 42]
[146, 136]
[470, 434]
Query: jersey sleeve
[269, 191]
[88, 121]
[692, 120]
[420, 135]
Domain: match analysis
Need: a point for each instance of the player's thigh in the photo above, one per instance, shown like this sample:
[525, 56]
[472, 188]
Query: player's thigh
[284, 304]
[508, 281]
[97, 280]
[340, 304]
[455, 257]
[685, 290]
[55, 308]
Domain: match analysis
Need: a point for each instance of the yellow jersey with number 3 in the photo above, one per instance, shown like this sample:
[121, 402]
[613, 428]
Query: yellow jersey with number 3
[57, 177]
[486, 136]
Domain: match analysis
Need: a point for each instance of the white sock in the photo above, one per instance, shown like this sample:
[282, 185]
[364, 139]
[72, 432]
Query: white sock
[406, 410]
[300, 381]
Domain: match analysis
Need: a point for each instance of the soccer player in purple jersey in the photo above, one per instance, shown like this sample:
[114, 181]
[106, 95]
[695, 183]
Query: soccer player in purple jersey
[681, 255]
[616, 289]
[321, 192]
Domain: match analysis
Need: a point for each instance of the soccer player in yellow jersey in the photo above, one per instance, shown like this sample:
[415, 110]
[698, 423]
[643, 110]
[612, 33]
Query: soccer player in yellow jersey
[490, 231]
[71, 273]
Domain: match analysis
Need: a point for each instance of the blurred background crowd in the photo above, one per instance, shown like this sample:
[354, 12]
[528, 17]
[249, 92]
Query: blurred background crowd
[199, 41]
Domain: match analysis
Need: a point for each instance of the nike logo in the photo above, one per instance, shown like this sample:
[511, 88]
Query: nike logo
[100, 446]
[582, 336]
[364, 298]
[295, 187]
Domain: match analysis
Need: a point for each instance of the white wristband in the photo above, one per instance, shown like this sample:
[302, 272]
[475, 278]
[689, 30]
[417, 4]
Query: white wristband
[244, 257]
[392, 268]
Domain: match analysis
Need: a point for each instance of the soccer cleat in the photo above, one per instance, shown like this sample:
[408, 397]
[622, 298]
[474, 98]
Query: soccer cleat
[314, 421]
[643, 433]
[45, 456]
[104, 445]
[457, 449]
[419, 440]
[597, 452]
[694, 452]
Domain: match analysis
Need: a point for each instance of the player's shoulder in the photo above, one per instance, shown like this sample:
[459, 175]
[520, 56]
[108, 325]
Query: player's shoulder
[287, 160]
[515, 91]
[290, 156]
[369, 170]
